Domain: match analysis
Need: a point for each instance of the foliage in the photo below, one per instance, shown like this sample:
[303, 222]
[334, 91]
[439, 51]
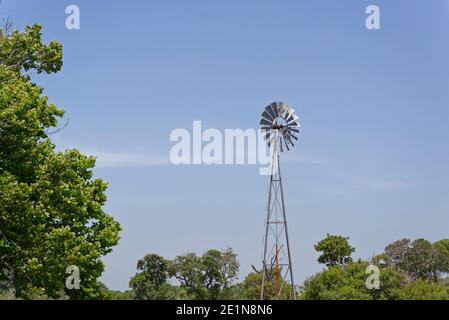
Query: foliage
[209, 276]
[114, 294]
[335, 250]
[51, 212]
[252, 286]
[147, 284]
[348, 282]
[25, 50]
[419, 259]
[422, 290]
[343, 279]
[408, 270]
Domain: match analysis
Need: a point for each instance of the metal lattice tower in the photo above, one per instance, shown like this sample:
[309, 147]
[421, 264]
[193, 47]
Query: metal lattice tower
[280, 126]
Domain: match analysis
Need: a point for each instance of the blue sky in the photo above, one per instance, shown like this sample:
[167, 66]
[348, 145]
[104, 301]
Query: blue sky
[372, 162]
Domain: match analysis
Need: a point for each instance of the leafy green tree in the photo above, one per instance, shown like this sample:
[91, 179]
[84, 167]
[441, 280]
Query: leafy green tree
[220, 269]
[252, 287]
[348, 282]
[147, 284]
[115, 294]
[442, 246]
[155, 269]
[213, 279]
[208, 276]
[419, 259]
[51, 214]
[188, 270]
[228, 268]
[335, 250]
[26, 51]
[422, 290]
[233, 292]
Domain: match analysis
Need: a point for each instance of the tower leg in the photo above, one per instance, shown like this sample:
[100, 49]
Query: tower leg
[267, 229]
[293, 294]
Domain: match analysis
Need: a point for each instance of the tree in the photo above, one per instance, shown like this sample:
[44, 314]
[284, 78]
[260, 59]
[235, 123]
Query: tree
[154, 268]
[422, 290]
[220, 269]
[443, 248]
[419, 259]
[115, 294]
[147, 283]
[252, 287]
[188, 270]
[348, 282]
[26, 51]
[51, 214]
[335, 250]
[229, 267]
[208, 276]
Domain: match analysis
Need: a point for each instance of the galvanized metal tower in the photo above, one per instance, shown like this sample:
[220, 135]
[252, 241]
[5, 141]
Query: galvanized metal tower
[280, 126]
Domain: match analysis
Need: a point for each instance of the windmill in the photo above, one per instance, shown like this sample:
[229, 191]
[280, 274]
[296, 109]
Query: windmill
[280, 127]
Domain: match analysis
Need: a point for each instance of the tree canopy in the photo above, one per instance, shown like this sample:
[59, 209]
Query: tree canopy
[335, 250]
[419, 259]
[407, 271]
[209, 276]
[51, 214]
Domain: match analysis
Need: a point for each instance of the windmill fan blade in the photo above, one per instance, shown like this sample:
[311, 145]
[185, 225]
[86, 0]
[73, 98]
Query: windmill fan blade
[293, 136]
[269, 110]
[282, 110]
[267, 136]
[292, 129]
[286, 144]
[274, 109]
[267, 116]
[265, 122]
[293, 119]
[293, 124]
[279, 105]
[286, 137]
[291, 116]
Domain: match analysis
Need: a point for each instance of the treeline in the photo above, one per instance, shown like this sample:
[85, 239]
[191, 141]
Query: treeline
[406, 270]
